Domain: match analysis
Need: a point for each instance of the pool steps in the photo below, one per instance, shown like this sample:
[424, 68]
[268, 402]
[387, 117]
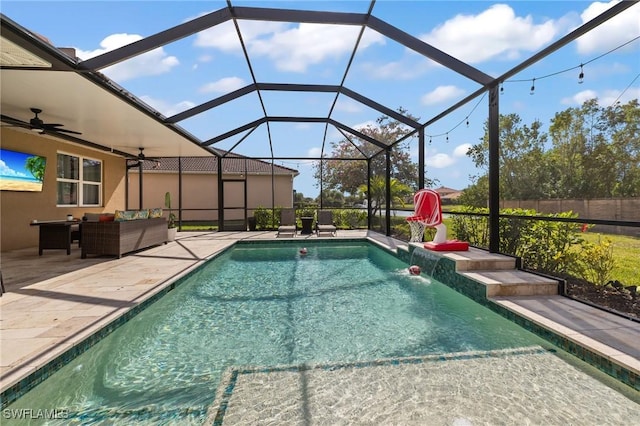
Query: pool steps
[496, 272]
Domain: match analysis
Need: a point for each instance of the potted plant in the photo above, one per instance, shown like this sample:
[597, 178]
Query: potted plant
[171, 222]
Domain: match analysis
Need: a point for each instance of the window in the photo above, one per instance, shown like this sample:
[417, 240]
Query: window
[79, 181]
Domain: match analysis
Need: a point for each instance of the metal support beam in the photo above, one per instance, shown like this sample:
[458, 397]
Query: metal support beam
[494, 170]
[140, 184]
[321, 183]
[421, 158]
[179, 193]
[220, 195]
[429, 51]
[369, 193]
[154, 41]
[388, 193]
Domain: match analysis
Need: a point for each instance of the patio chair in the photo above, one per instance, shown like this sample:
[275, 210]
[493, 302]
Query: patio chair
[287, 222]
[325, 223]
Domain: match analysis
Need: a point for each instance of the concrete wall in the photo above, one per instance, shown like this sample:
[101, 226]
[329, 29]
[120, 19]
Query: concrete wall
[18, 209]
[627, 209]
[200, 193]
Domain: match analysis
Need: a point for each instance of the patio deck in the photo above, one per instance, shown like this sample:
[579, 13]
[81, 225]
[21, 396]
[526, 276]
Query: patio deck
[53, 302]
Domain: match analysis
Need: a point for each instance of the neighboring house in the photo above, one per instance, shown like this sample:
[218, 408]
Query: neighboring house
[448, 195]
[246, 185]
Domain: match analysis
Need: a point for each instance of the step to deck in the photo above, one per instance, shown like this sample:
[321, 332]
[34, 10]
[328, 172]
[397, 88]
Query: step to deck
[479, 260]
[513, 283]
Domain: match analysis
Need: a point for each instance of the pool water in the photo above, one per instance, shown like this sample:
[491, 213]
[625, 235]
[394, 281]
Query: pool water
[266, 306]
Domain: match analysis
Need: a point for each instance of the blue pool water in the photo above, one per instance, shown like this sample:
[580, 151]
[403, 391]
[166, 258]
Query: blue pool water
[266, 305]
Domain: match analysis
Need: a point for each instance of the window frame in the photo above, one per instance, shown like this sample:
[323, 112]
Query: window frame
[81, 182]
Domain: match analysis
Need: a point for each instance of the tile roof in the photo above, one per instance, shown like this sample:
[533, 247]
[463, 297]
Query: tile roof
[230, 164]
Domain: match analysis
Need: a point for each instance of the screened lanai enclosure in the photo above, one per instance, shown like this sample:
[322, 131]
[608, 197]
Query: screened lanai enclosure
[268, 89]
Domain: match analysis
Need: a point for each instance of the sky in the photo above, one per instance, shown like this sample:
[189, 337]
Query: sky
[492, 37]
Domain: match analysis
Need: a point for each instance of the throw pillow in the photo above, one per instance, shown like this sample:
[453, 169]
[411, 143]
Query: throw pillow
[153, 213]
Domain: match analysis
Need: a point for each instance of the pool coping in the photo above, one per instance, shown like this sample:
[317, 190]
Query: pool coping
[622, 366]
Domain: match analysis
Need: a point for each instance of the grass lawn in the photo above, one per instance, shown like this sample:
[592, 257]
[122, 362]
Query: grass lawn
[626, 251]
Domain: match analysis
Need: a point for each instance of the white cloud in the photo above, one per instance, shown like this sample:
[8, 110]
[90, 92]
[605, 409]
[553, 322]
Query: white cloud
[224, 85]
[291, 48]
[167, 109]
[154, 62]
[224, 37]
[616, 31]
[8, 171]
[460, 151]
[406, 69]
[606, 98]
[579, 98]
[439, 160]
[496, 33]
[314, 152]
[441, 94]
[364, 125]
[297, 48]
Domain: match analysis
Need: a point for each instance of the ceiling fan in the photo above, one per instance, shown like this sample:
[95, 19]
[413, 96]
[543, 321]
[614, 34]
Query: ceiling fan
[37, 125]
[141, 157]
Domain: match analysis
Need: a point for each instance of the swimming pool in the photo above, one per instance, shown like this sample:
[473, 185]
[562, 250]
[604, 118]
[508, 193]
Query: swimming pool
[349, 313]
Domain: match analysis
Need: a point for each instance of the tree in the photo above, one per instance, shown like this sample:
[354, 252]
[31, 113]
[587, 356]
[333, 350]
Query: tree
[522, 158]
[331, 198]
[596, 150]
[476, 194]
[348, 175]
[36, 165]
[595, 154]
[399, 192]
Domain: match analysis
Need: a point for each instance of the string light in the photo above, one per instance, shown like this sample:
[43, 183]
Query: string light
[581, 76]
[581, 67]
[533, 87]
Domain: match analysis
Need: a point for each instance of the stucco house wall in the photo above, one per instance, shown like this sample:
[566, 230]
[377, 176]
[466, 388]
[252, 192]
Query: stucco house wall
[200, 193]
[18, 209]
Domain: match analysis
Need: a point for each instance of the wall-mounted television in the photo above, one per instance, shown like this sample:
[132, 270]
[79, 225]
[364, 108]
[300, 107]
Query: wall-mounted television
[20, 171]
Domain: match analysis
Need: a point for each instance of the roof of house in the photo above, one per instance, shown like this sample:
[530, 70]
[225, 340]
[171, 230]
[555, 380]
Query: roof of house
[443, 190]
[230, 164]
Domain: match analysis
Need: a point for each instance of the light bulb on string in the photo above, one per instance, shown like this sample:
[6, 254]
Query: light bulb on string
[447, 137]
[533, 87]
[581, 76]
[467, 122]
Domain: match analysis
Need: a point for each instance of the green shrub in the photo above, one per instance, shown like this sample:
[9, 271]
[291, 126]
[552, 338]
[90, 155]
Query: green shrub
[350, 218]
[473, 229]
[596, 262]
[267, 219]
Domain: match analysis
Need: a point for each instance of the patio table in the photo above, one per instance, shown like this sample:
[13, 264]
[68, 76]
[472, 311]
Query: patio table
[54, 234]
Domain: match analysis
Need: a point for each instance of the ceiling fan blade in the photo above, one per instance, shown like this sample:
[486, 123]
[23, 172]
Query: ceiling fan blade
[45, 125]
[48, 129]
[14, 121]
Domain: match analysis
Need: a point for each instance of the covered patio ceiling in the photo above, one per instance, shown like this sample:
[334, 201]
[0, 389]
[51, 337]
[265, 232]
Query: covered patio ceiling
[76, 93]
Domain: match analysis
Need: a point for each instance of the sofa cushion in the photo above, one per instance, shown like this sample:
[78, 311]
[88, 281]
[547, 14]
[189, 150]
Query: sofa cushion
[143, 214]
[91, 217]
[108, 217]
[124, 215]
[155, 213]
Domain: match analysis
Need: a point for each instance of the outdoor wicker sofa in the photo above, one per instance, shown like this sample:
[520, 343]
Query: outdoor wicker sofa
[115, 238]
